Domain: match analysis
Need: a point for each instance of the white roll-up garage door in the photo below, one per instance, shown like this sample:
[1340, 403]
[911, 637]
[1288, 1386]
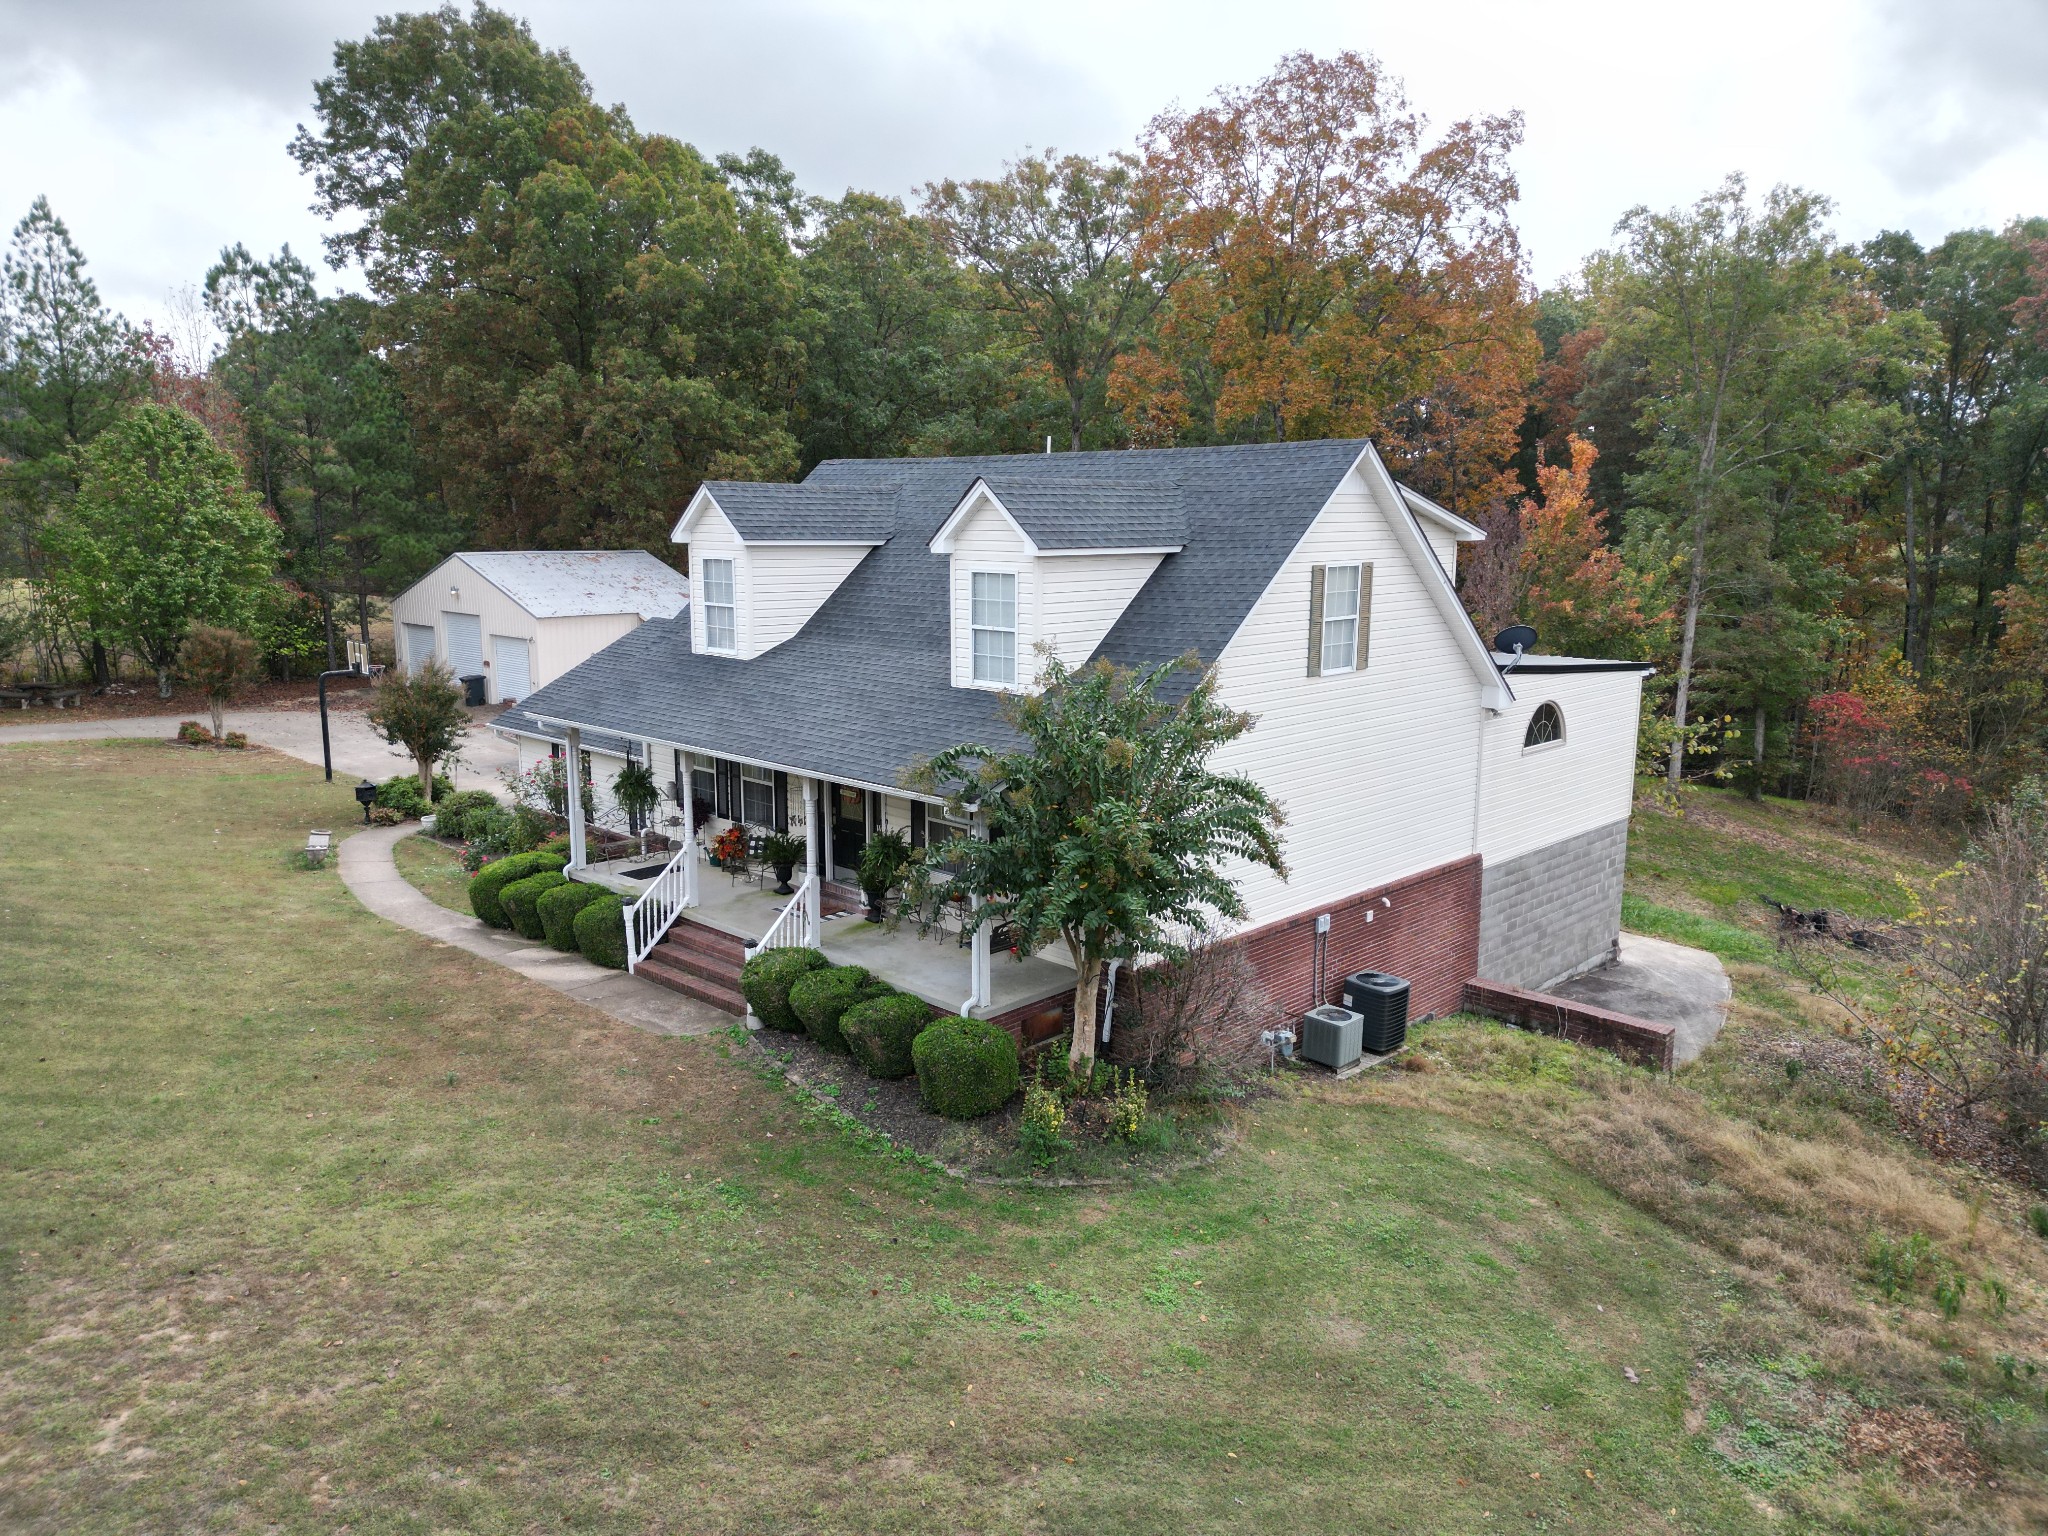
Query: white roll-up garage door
[465, 643]
[419, 646]
[515, 671]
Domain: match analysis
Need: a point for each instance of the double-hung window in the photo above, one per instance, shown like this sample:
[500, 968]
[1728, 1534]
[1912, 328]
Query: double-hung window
[993, 621]
[1340, 618]
[721, 607]
[757, 795]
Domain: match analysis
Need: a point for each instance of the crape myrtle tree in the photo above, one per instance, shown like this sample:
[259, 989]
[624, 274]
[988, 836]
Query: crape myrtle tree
[1106, 830]
[422, 712]
[221, 663]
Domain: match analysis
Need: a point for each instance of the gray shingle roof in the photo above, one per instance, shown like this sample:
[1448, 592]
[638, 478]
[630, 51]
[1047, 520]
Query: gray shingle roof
[1136, 513]
[568, 583]
[775, 513]
[865, 688]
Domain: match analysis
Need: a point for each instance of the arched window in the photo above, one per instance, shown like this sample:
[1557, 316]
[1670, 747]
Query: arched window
[1546, 727]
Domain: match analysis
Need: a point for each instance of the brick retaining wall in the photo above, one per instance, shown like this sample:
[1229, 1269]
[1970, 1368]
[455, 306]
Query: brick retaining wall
[1636, 1040]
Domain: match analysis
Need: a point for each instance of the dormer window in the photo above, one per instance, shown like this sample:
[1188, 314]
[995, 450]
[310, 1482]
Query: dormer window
[721, 607]
[994, 622]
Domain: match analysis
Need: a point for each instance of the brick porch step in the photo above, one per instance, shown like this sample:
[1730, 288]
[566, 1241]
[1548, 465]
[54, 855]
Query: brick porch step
[699, 962]
[660, 971]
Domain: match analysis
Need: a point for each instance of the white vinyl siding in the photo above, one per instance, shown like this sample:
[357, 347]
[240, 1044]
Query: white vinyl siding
[1535, 796]
[1377, 776]
[788, 583]
[993, 620]
[1340, 618]
[1081, 596]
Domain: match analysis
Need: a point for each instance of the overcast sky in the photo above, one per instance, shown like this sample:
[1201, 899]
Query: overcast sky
[158, 128]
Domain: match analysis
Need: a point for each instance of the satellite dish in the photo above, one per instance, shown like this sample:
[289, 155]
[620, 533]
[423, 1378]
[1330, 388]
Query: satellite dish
[1515, 640]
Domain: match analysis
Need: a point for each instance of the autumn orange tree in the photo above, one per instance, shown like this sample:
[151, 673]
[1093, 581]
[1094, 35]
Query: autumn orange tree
[1346, 274]
[1577, 590]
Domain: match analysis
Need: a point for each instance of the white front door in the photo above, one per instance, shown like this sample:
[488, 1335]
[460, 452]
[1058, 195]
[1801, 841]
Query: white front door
[465, 643]
[419, 646]
[515, 672]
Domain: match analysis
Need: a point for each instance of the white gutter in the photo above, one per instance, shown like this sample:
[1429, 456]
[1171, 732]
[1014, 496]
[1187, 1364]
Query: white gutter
[759, 762]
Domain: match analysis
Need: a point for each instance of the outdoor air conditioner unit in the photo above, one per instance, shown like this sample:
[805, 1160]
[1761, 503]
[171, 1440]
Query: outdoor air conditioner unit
[1331, 1036]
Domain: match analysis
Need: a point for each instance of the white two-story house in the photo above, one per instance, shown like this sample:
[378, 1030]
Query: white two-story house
[1451, 812]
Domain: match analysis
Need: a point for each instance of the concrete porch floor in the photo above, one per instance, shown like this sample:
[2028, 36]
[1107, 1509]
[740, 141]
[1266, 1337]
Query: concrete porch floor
[933, 968]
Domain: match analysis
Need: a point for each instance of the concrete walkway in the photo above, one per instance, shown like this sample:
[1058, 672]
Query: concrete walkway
[1663, 982]
[370, 872]
[359, 753]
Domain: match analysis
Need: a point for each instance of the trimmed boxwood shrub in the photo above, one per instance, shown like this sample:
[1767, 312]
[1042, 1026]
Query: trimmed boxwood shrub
[487, 882]
[819, 997]
[520, 897]
[766, 979]
[558, 909]
[966, 1068]
[601, 931]
[880, 1032]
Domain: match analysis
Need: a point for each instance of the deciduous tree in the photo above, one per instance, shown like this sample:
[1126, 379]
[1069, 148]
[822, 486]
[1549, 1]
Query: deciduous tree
[160, 536]
[1348, 274]
[422, 712]
[221, 663]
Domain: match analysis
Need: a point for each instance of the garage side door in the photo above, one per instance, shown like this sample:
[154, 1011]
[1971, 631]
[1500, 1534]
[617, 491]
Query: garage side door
[515, 669]
[419, 646]
[465, 643]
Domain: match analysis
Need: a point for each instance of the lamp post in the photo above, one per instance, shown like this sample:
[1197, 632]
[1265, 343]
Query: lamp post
[326, 750]
[366, 795]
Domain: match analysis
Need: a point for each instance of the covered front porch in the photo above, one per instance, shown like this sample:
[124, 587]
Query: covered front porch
[946, 968]
[936, 968]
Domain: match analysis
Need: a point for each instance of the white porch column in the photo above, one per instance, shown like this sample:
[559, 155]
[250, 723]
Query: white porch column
[573, 779]
[979, 982]
[814, 828]
[683, 784]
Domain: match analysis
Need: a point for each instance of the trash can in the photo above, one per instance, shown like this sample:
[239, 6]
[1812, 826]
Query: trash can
[473, 690]
[1382, 1002]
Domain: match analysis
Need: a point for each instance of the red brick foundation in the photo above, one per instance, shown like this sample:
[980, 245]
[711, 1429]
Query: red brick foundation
[1424, 929]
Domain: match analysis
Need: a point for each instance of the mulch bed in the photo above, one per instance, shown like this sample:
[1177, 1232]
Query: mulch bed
[982, 1151]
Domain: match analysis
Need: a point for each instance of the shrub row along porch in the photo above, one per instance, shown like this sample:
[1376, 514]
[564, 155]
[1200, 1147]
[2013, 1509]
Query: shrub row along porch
[691, 924]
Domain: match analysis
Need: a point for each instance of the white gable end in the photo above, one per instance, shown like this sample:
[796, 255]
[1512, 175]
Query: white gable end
[1376, 768]
[1066, 601]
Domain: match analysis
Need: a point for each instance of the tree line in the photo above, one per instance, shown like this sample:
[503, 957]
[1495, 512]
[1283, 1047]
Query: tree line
[1798, 475]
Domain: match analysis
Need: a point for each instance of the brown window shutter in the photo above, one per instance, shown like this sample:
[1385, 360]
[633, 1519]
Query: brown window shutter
[1364, 615]
[1316, 574]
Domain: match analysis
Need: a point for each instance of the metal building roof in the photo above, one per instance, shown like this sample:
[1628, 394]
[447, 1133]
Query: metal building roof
[579, 583]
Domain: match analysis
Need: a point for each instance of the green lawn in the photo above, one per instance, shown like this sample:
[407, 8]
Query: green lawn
[308, 1223]
[436, 869]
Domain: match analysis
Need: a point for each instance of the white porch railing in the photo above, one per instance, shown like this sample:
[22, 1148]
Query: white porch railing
[650, 917]
[791, 927]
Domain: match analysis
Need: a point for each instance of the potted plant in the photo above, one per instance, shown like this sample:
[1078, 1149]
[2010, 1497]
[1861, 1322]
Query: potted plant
[783, 851]
[881, 862]
[729, 848]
